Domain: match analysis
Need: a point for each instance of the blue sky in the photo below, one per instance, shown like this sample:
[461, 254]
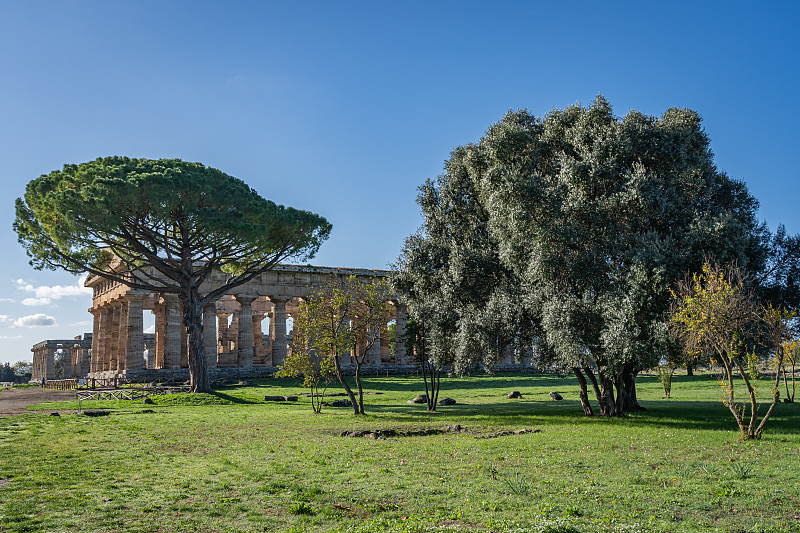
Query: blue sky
[345, 108]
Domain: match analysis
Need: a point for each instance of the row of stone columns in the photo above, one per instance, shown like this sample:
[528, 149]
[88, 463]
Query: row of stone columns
[43, 363]
[74, 360]
[118, 339]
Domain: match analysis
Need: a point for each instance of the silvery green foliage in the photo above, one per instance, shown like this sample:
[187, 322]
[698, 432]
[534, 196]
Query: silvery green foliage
[451, 275]
[598, 215]
[566, 231]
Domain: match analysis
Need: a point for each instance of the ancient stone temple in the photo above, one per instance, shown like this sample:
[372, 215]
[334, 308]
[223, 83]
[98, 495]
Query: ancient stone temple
[75, 357]
[245, 333]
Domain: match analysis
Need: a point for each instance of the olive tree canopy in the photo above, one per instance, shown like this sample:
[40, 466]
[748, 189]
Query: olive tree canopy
[161, 225]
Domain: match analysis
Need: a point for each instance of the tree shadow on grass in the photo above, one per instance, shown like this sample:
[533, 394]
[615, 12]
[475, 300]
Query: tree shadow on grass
[683, 415]
[235, 399]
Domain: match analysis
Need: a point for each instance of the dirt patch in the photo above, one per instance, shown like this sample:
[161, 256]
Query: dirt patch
[14, 401]
[505, 432]
[382, 434]
[4, 482]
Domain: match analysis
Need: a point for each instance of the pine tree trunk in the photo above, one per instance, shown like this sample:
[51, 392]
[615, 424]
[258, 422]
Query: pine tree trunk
[193, 321]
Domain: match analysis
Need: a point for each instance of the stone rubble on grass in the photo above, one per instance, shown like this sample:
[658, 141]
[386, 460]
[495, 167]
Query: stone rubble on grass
[382, 434]
[447, 401]
[419, 398]
[556, 396]
[96, 412]
[505, 432]
[514, 394]
[280, 398]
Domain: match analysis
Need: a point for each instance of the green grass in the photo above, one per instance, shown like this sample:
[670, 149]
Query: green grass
[229, 462]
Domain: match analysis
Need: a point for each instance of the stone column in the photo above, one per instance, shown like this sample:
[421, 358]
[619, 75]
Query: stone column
[75, 360]
[222, 331]
[160, 329]
[94, 363]
[122, 341]
[35, 365]
[210, 333]
[172, 331]
[400, 321]
[245, 342]
[102, 356]
[67, 362]
[112, 335]
[257, 334]
[85, 361]
[278, 328]
[134, 350]
[374, 353]
[50, 368]
[98, 350]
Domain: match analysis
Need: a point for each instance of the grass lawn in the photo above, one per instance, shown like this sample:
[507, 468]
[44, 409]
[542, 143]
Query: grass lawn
[229, 462]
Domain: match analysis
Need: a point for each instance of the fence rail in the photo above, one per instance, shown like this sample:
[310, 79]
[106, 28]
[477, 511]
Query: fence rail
[132, 393]
[61, 384]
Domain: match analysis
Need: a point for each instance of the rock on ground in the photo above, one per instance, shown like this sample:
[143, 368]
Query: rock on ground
[419, 398]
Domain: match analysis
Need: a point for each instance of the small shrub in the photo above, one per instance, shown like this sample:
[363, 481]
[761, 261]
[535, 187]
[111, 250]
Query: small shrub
[742, 470]
[301, 508]
[518, 484]
[665, 373]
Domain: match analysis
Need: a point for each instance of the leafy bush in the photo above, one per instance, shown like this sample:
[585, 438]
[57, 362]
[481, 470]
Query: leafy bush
[301, 508]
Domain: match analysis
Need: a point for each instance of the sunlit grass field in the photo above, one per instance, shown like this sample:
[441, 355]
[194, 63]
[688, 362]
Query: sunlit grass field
[231, 462]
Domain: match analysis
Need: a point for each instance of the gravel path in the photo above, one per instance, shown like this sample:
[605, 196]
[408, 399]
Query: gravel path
[14, 401]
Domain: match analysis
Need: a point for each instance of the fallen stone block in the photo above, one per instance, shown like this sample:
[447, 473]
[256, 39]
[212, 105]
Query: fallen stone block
[419, 398]
[96, 412]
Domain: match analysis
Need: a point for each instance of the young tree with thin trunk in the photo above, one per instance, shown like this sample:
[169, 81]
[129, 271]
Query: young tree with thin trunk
[346, 317]
[786, 363]
[416, 344]
[163, 226]
[717, 313]
[306, 362]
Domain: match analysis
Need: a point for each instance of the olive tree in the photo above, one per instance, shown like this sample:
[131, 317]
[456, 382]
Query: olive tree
[161, 225]
[566, 231]
[450, 274]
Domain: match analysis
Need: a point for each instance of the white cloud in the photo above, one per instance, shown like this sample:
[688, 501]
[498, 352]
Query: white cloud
[46, 294]
[151, 329]
[81, 323]
[10, 336]
[11, 300]
[36, 301]
[5, 319]
[35, 321]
